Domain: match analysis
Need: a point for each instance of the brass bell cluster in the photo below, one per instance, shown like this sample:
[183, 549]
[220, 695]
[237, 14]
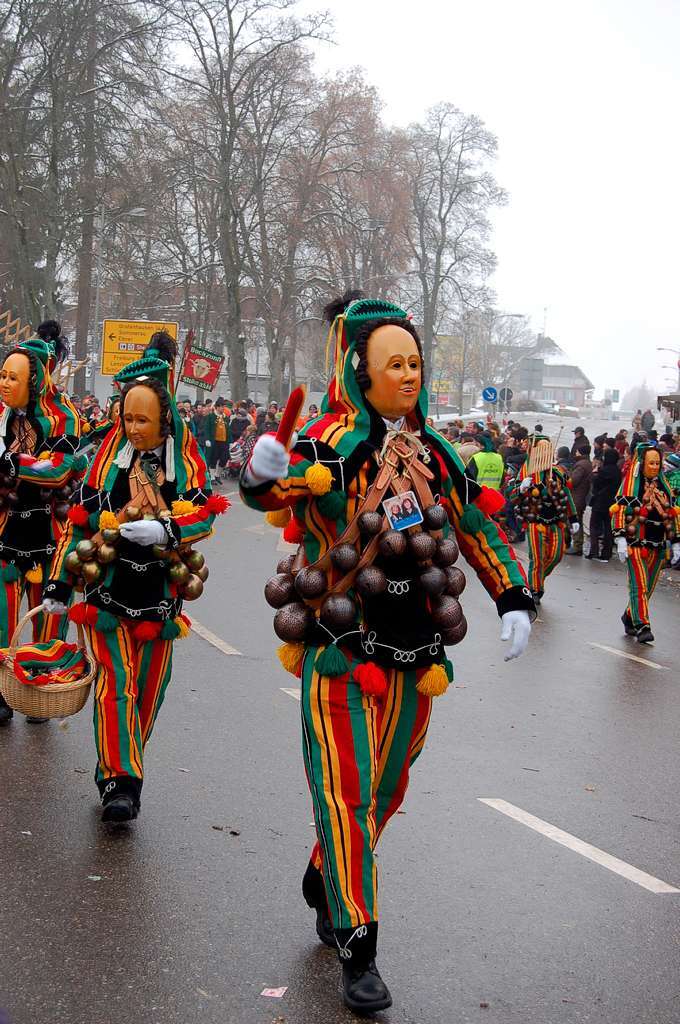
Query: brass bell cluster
[57, 497]
[186, 568]
[540, 502]
[443, 583]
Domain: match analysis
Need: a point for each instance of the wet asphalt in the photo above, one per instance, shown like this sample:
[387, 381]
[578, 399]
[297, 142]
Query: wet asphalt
[187, 915]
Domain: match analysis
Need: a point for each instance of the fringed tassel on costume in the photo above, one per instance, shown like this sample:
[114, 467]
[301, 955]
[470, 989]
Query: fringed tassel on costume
[280, 517]
[106, 622]
[331, 662]
[35, 575]
[291, 657]
[371, 678]
[294, 533]
[434, 683]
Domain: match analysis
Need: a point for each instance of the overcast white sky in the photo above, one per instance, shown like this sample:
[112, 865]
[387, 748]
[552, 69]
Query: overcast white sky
[584, 99]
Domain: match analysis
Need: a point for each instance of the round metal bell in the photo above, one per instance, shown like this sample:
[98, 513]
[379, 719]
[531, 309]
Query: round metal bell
[392, 544]
[12, 499]
[338, 611]
[106, 554]
[133, 513]
[433, 581]
[455, 581]
[446, 612]
[371, 581]
[73, 563]
[370, 523]
[193, 588]
[203, 573]
[279, 590]
[61, 511]
[435, 517]
[286, 564]
[311, 582]
[195, 560]
[159, 551]
[344, 557]
[91, 572]
[111, 536]
[447, 551]
[86, 550]
[179, 574]
[455, 634]
[45, 494]
[422, 546]
[292, 622]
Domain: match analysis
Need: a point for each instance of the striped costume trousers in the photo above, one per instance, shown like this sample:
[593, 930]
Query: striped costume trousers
[546, 546]
[129, 692]
[45, 627]
[357, 752]
[644, 567]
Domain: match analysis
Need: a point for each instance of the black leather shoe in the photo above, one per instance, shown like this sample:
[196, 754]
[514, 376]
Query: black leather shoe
[363, 990]
[645, 635]
[314, 892]
[120, 808]
[6, 713]
[628, 626]
[537, 595]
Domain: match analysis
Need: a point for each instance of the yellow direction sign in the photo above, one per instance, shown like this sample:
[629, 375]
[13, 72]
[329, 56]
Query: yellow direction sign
[123, 341]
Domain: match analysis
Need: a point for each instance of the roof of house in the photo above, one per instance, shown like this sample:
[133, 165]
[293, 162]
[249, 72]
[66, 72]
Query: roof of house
[565, 375]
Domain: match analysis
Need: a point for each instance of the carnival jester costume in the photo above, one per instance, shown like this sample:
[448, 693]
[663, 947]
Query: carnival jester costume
[645, 521]
[39, 464]
[544, 505]
[145, 500]
[367, 610]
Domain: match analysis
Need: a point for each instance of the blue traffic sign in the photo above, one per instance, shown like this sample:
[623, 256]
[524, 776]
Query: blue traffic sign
[490, 394]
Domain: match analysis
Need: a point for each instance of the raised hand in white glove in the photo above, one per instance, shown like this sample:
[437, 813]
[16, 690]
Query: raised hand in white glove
[53, 607]
[622, 548]
[675, 553]
[516, 625]
[574, 527]
[526, 484]
[145, 532]
[269, 460]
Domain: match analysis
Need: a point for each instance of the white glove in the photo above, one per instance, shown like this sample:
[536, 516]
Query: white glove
[145, 532]
[52, 607]
[269, 460]
[574, 527]
[675, 553]
[518, 626]
[41, 466]
[526, 484]
[208, 444]
[622, 548]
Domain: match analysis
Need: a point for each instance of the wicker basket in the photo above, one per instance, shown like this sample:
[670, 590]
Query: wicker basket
[55, 700]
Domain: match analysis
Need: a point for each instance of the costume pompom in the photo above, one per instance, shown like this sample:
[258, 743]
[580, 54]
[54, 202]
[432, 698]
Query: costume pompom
[108, 521]
[319, 479]
[35, 575]
[44, 456]
[294, 533]
[217, 504]
[83, 614]
[146, 631]
[279, 517]
[78, 515]
[85, 427]
[170, 630]
[106, 622]
[331, 662]
[434, 682]
[371, 679]
[333, 504]
[472, 520]
[183, 508]
[490, 501]
[291, 657]
[183, 623]
[10, 574]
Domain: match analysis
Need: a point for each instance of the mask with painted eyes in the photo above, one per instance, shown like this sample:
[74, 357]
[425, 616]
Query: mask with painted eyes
[15, 379]
[142, 418]
[395, 371]
[651, 465]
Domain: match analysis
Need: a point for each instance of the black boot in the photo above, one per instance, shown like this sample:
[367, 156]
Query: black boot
[120, 798]
[628, 626]
[645, 635]
[363, 990]
[314, 892]
[537, 595]
[6, 713]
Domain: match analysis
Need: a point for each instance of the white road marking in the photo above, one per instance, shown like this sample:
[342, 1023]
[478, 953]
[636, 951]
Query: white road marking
[606, 860]
[293, 691]
[624, 654]
[212, 638]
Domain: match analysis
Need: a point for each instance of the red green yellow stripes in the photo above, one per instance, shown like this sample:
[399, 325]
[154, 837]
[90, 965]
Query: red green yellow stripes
[546, 546]
[128, 695]
[644, 567]
[44, 627]
[357, 755]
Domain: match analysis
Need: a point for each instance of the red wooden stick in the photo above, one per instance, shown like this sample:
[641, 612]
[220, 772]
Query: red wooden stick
[291, 414]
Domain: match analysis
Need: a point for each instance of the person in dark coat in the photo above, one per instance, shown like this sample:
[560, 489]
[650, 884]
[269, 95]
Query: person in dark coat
[580, 440]
[605, 483]
[581, 473]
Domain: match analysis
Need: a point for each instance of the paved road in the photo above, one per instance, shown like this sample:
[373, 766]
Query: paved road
[192, 912]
